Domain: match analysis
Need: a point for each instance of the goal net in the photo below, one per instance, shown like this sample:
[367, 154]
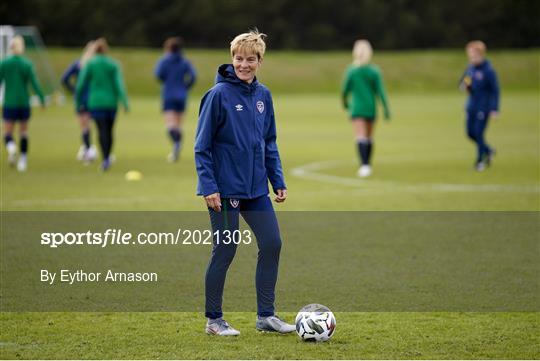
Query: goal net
[37, 53]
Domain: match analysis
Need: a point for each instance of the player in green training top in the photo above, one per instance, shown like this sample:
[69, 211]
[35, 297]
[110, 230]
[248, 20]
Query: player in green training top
[16, 73]
[363, 83]
[105, 83]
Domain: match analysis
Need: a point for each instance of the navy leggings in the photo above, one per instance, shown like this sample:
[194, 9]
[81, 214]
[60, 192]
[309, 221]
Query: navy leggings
[105, 122]
[477, 122]
[261, 218]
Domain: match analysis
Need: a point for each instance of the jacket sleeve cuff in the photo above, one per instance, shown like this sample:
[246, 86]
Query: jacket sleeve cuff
[278, 186]
[207, 191]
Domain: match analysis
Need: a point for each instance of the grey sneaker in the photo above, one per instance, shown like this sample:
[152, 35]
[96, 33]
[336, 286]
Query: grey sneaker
[175, 154]
[220, 327]
[480, 166]
[489, 157]
[273, 324]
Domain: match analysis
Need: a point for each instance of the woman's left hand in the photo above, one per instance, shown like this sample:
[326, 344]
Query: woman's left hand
[281, 195]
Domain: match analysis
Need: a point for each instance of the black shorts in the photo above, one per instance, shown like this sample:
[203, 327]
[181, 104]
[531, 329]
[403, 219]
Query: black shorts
[367, 119]
[176, 105]
[18, 114]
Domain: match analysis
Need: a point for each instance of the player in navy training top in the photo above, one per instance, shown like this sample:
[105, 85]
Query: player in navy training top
[480, 81]
[177, 76]
[87, 152]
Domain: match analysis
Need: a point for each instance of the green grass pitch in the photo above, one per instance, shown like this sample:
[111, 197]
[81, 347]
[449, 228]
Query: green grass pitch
[422, 162]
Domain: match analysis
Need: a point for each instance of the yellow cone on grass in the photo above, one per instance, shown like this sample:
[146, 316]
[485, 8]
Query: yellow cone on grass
[133, 175]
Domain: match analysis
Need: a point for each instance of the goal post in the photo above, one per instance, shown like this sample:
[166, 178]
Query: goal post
[36, 51]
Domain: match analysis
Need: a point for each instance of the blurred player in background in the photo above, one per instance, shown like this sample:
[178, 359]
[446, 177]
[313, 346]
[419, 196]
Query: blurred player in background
[16, 73]
[480, 81]
[87, 152]
[236, 155]
[177, 76]
[363, 83]
[103, 77]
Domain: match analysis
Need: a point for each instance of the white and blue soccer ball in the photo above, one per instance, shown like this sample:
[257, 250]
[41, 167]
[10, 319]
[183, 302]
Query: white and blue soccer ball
[315, 323]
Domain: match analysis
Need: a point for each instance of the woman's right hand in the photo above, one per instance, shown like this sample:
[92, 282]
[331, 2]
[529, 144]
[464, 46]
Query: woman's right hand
[213, 201]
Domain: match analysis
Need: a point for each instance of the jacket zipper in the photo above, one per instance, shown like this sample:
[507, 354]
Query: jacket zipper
[253, 123]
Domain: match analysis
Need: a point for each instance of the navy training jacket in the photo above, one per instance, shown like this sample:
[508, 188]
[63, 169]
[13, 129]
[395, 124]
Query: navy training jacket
[177, 75]
[235, 145]
[69, 80]
[483, 87]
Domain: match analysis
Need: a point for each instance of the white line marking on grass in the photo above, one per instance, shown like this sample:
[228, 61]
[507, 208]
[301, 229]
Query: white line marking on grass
[315, 172]
[80, 201]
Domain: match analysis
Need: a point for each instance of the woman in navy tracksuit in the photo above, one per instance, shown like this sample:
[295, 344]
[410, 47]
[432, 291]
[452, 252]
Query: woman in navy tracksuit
[236, 155]
[480, 80]
[177, 76]
[87, 152]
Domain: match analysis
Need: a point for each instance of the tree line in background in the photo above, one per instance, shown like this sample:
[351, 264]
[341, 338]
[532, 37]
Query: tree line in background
[290, 24]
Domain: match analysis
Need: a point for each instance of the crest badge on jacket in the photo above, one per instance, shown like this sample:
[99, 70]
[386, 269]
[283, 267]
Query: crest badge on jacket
[260, 106]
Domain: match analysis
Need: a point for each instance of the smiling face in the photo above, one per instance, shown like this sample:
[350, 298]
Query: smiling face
[246, 65]
[475, 56]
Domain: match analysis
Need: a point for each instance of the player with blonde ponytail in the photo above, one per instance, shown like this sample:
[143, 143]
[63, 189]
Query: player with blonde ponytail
[362, 85]
[87, 152]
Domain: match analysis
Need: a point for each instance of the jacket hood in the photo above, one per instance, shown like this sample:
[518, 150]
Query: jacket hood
[226, 74]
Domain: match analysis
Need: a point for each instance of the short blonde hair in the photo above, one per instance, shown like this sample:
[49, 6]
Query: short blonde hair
[88, 52]
[251, 42]
[16, 45]
[478, 46]
[362, 52]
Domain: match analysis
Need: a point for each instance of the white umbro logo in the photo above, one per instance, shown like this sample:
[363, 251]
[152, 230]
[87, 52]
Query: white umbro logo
[239, 107]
